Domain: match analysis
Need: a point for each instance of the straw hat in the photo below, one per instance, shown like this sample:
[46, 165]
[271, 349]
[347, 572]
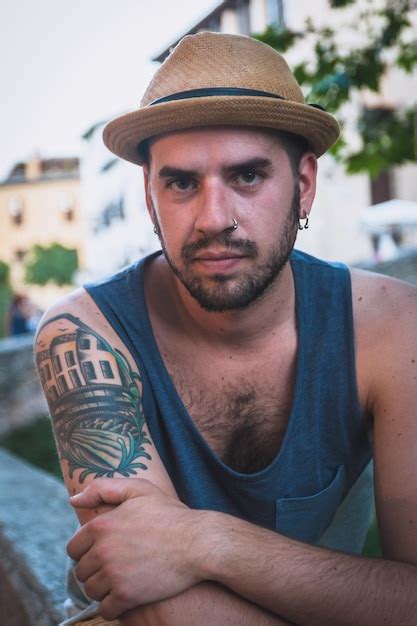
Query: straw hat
[213, 79]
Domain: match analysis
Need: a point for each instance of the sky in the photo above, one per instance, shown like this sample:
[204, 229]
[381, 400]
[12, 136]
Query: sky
[67, 64]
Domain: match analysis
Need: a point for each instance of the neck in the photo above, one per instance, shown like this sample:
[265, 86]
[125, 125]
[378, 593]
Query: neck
[265, 316]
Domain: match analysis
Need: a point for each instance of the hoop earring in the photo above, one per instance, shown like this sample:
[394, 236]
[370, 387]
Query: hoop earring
[301, 226]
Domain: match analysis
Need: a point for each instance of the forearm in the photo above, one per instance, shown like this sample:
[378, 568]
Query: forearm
[207, 603]
[306, 584]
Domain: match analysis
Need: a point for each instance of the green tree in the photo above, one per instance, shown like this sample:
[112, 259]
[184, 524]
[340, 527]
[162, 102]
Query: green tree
[5, 296]
[54, 263]
[334, 73]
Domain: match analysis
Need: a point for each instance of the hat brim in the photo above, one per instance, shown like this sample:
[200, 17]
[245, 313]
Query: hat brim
[123, 135]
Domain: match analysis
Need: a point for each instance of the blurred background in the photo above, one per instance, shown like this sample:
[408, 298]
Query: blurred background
[71, 212]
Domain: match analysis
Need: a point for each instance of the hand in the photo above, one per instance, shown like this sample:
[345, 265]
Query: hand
[142, 551]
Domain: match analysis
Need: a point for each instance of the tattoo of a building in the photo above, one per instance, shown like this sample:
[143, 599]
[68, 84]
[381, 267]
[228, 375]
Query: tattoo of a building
[94, 399]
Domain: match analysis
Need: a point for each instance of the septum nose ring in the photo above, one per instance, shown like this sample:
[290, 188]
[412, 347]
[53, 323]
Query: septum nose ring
[235, 224]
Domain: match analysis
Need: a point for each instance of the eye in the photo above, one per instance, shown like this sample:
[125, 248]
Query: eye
[183, 183]
[249, 178]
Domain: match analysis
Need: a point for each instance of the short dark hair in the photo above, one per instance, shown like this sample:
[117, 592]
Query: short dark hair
[294, 145]
[144, 152]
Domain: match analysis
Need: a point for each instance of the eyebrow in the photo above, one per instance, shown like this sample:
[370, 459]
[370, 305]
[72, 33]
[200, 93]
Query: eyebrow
[168, 171]
[249, 164]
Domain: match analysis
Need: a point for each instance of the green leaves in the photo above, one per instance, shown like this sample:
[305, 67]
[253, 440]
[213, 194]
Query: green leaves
[4, 273]
[337, 4]
[342, 64]
[396, 21]
[407, 56]
[365, 67]
[54, 263]
[281, 40]
[389, 138]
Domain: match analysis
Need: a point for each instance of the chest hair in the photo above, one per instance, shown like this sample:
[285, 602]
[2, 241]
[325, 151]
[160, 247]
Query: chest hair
[242, 420]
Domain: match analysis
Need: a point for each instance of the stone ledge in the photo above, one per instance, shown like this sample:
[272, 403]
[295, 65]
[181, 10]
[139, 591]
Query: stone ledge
[36, 523]
[21, 397]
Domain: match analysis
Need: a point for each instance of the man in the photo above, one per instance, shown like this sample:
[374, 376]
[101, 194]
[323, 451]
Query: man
[243, 380]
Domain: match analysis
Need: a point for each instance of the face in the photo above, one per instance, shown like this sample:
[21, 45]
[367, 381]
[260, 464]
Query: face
[198, 182]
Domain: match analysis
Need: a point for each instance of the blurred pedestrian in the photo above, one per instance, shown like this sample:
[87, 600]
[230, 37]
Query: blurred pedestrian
[18, 315]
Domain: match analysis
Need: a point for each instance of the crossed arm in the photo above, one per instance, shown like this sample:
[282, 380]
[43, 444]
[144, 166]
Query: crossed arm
[306, 584]
[177, 566]
[94, 394]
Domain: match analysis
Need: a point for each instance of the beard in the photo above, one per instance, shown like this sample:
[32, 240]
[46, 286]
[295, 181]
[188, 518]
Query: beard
[220, 292]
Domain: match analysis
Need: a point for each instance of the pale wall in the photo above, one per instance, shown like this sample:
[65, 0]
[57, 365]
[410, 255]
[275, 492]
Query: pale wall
[110, 248]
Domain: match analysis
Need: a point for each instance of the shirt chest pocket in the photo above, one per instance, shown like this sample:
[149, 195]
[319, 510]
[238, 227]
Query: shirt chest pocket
[306, 518]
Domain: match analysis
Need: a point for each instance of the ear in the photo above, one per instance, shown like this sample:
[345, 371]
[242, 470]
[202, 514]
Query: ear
[308, 180]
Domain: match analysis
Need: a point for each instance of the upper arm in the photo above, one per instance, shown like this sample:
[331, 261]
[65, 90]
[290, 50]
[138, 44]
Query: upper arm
[94, 392]
[393, 404]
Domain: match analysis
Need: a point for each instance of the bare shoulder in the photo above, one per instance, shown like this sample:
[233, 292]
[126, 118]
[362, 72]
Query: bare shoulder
[77, 313]
[77, 304]
[377, 298]
[385, 313]
[384, 309]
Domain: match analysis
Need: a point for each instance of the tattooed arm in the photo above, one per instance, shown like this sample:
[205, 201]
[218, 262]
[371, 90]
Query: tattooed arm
[94, 392]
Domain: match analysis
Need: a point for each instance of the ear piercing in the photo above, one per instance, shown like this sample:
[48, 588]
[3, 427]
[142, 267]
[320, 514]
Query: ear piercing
[301, 226]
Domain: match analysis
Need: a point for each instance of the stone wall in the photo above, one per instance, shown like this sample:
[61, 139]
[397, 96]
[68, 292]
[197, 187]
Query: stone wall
[21, 397]
[36, 523]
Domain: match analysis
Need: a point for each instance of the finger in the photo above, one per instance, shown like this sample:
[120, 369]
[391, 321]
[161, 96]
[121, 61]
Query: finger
[115, 605]
[87, 566]
[97, 587]
[80, 543]
[112, 491]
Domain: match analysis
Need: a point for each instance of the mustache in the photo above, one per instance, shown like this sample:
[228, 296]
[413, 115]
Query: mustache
[245, 246]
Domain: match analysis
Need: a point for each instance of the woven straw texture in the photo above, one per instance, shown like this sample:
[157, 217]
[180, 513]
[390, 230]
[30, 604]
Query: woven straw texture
[210, 60]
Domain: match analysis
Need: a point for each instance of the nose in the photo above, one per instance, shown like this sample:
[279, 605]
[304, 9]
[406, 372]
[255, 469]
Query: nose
[214, 214]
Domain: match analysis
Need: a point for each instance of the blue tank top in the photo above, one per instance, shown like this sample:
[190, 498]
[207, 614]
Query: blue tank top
[326, 446]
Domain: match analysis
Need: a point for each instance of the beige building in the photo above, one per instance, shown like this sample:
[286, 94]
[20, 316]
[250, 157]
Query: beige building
[40, 204]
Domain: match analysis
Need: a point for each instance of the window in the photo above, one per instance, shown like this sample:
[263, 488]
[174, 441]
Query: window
[243, 17]
[19, 255]
[84, 343]
[53, 392]
[75, 379]
[113, 210]
[106, 369]
[15, 209]
[69, 215]
[48, 372]
[100, 345]
[69, 358]
[67, 206]
[57, 363]
[381, 187]
[89, 371]
[42, 375]
[62, 384]
[275, 12]
[213, 23]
